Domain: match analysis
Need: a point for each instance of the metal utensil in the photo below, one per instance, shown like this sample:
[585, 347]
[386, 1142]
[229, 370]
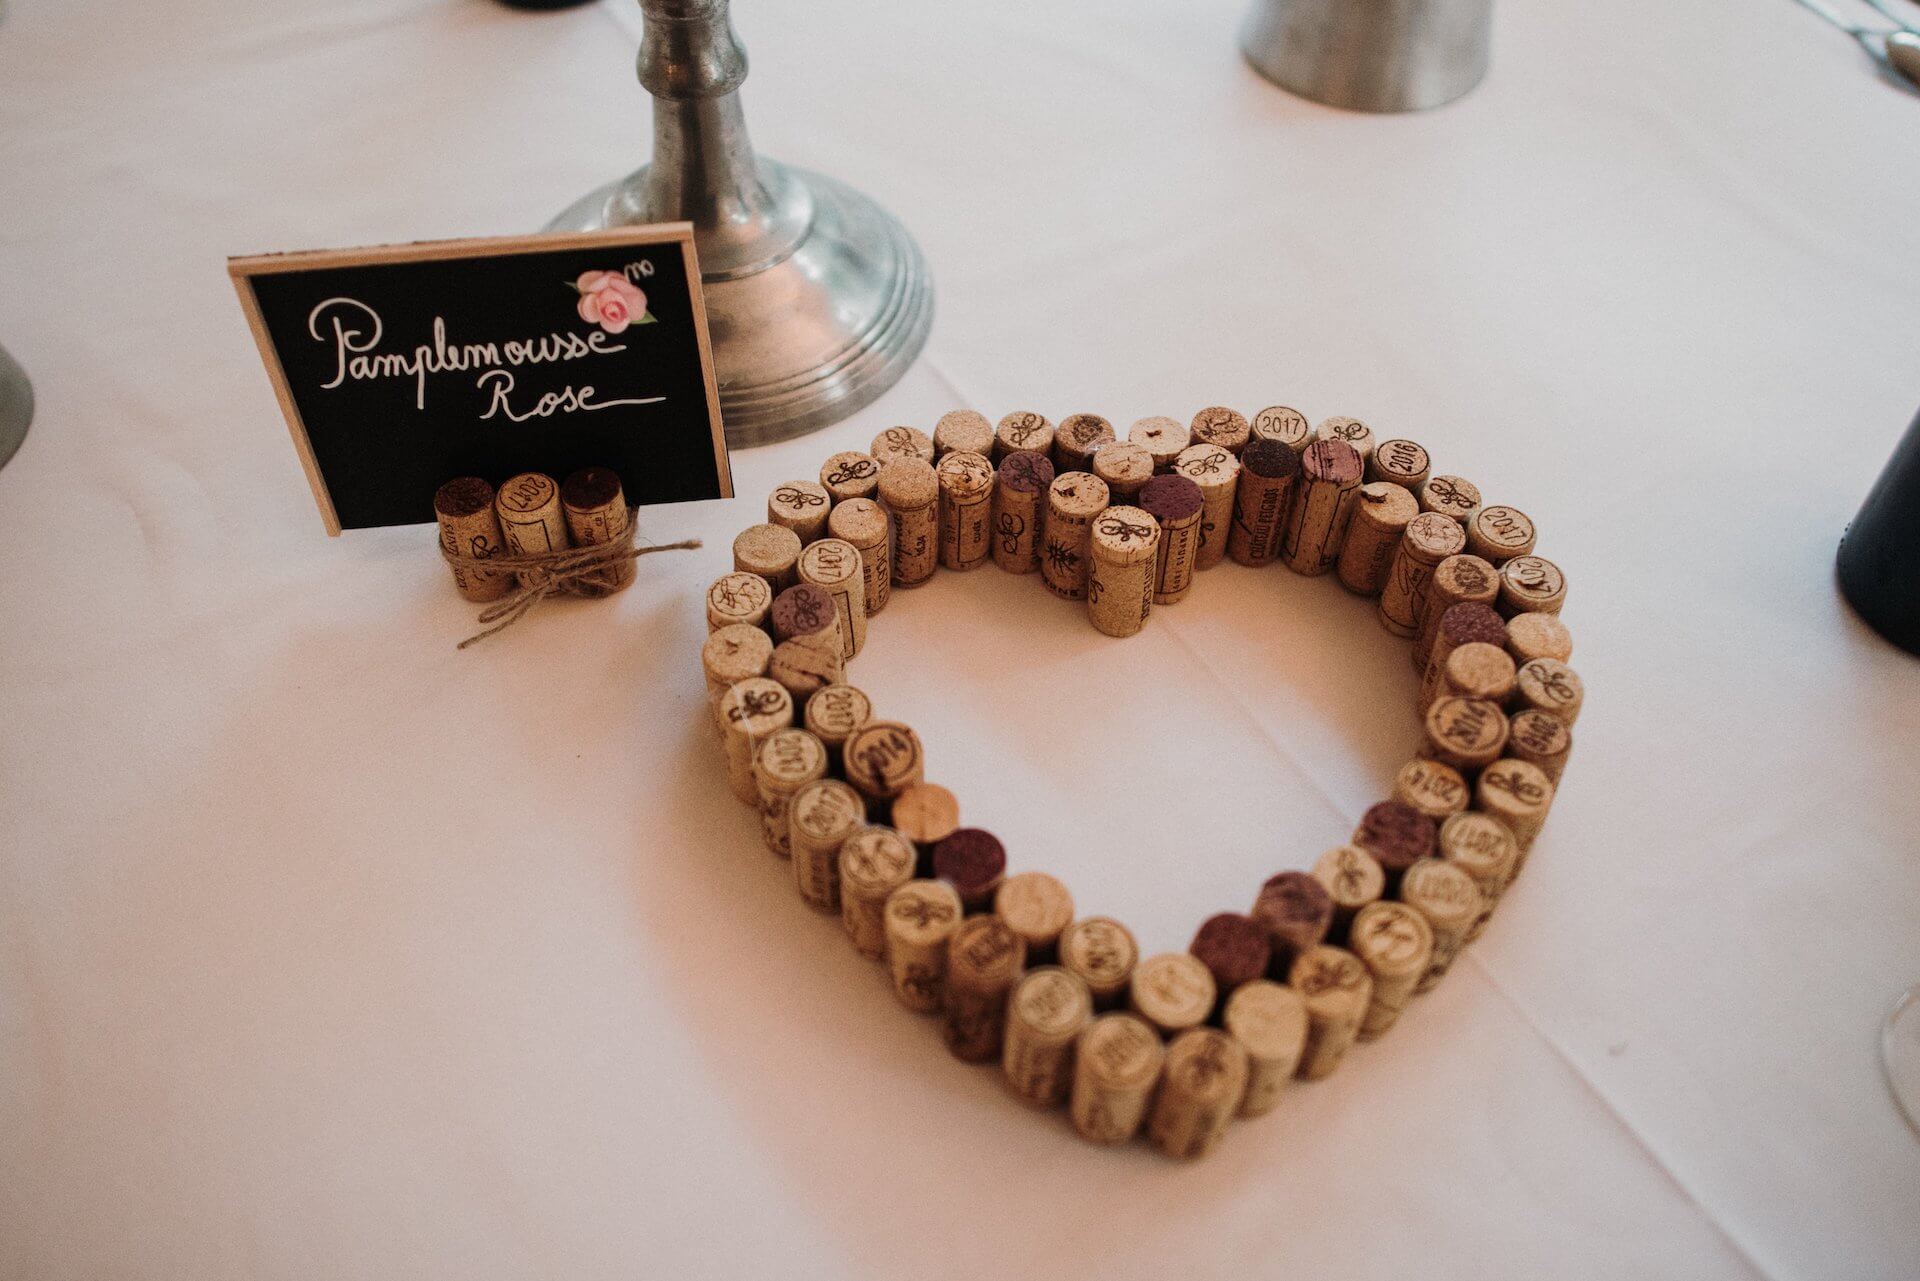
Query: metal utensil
[1897, 51]
[1370, 55]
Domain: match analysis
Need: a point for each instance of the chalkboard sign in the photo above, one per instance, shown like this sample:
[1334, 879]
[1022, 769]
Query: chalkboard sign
[399, 368]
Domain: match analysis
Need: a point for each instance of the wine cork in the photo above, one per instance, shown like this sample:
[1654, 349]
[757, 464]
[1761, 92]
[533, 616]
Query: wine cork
[1380, 520]
[962, 431]
[862, 524]
[1288, 427]
[804, 669]
[1449, 900]
[1234, 948]
[897, 443]
[1451, 496]
[1162, 438]
[750, 711]
[1466, 733]
[531, 522]
[1200, 1090]
[1478, 670]
[926, 814]
[1337, 989]
[1125, 467]
[1329, 490]
[1102, 952]
[788, 761]
[974, 862]
[1531, 585]
[1116, 1064]
[1038, 908]
[1397, 835]
[1220, 427]
[800, 505]
[874, 862]
[1400, 462]
[1435, 790]
[1551, 686]
[1353, 878]
[1483, 847]
[1353, 431]
[1020, 431]
[595, 507]
[1269, 477]
[771, 551]
[833, 713]
[882, 759]
[1124, 547]
[966, 509]
[1457, 580]
[1536, 635]
[1269, 1020]
[1395, 943]
[1172, 990]
[1073, 500]
[1217, 473]
[921, 916]
[1519, 795]
[848, 475]
[984, 961]
[1499, 534]
[806, 614]
[1462, 624]
[1541, 739]
[738, 597]
[1176, 504]
[910, 492]
[1296, 911]
[833, 566]
[1075, 439]
[731, 654]
[1019, 510]
[1049, 1009]
[469, 526]
[1429, 539]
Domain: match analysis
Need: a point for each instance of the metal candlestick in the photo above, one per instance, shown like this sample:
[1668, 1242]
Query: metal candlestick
[1371, 55]
[817, 299]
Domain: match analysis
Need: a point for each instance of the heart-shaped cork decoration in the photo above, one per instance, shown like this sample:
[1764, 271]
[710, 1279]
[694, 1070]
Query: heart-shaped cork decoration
[1174, 1045]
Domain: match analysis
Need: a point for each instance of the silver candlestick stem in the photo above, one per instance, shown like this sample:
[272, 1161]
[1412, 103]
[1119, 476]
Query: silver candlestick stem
[817, 299]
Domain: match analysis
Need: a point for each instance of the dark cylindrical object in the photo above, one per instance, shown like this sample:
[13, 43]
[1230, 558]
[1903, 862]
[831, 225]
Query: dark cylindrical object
[1880, 552]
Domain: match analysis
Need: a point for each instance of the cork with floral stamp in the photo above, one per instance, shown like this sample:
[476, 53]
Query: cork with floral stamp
[1281, 423]
[921, 917]
[1459, 579]
[805, 669]
[1163, 438]
[1452, 496]
[732, 654]
[1483, 847]
[862, 524]
[1124, 549]
[1499, 533]
[962, 431]
[1263, 501]
[848, 475]
[800, 505]
[984, 960]
[1330, 471]
[1220, 427]
[1353, 878]
[1116, 1065]
[1395, 943]
[771, 551]
[1379, 522]
[1022, 430]
[1176, 505]
[1337, 989]
[1125, 466]
[821, 817]
[832, 713]
[1429, 539]
[595, 508]
[1400, 462]
[1450, 901]
[1048, 1011]
[1519, 795]
[1537, 635]
[1269, 1020]
[883, 759]
[1217, 472]
[787, 761]
[1038, 908]
[1102, 952]
[1075, 439]
[738, 597]
[1296, 911]
[1073, 501]
[1173, 991]
[1466, 733]
[874, 862]
[896, 443]
[531, 522]
[1541, 739]
[966, 509]
[910, 492]
[1200, 1091]
[470, 527]
[1436, 790]
[750, 712]
[1549, 685]
[1020, 509]
[1477, 670]
[833, 566]
[1531, 585]
[806, 614]
[1356, 433]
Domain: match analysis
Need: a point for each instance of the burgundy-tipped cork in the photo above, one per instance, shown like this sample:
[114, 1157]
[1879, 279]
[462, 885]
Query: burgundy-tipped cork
[1025, 471]
[1397, 835]
[802, 610]
[971, 860]
[1170, 498]
[1233, 947]
[1271, 459]
[1296, 911]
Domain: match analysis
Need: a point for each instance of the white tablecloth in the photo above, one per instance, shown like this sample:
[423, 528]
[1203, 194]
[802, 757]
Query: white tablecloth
[326, 951]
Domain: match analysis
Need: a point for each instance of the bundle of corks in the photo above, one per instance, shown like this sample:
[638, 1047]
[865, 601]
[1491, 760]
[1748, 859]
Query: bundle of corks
[1178, 1044]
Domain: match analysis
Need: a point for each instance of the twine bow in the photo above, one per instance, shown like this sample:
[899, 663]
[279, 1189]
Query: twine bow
[572, 571]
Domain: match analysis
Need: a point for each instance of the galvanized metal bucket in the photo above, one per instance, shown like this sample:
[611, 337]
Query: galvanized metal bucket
[1371, 55]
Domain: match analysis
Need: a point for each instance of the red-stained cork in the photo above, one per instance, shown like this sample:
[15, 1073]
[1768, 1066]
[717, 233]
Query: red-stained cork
[1471, 621]
[1397, 835]
[1234, 949]
[1170, 498]
[590, 487]
[1270, 458]
[1296, 911]
[1026, 472]
[802, 611]
[463, 497]
[1332, 460]
[973, 861]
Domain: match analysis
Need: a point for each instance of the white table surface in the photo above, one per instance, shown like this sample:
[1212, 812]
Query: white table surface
[327, 951]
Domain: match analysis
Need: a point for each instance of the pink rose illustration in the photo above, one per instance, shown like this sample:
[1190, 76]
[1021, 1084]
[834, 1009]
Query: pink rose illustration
[610, 300]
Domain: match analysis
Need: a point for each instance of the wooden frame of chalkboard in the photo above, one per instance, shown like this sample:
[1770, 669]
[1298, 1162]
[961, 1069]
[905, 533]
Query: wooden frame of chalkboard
[398, 367]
